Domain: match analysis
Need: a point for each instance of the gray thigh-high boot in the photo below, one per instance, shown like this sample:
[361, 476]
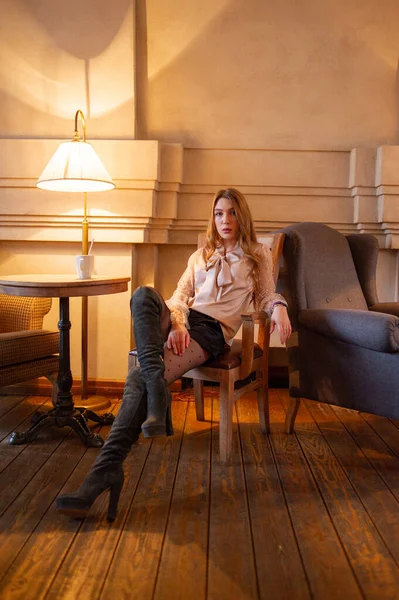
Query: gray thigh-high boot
[107, 471]
[146, 306]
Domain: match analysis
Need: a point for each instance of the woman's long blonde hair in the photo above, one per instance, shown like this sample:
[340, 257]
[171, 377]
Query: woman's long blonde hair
[246, 233]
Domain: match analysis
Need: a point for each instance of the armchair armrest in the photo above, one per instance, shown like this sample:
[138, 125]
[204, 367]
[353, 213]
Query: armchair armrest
[19, 313]
[390, 308]
[376, 331]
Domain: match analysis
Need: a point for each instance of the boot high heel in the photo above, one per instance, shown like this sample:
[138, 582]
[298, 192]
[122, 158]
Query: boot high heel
[78, 504]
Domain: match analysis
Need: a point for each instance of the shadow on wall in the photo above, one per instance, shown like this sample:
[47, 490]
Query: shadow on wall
[57, 56]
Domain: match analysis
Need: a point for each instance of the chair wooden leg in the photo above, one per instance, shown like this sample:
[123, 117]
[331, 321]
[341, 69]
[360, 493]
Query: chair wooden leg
[199, 399]
[226, 419]
[263, 404]
[132, 361]
[291, 414]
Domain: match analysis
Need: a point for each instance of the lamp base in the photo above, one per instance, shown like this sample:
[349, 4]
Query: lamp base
[92, 402]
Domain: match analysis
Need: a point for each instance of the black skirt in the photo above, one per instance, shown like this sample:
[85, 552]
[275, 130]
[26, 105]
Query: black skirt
[207, 332]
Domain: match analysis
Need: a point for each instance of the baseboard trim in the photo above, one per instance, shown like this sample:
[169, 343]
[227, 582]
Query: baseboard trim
[113, 388]
[110, 388]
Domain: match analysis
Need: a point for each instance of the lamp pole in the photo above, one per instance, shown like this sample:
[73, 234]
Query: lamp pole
[85, 250]
[85, 299]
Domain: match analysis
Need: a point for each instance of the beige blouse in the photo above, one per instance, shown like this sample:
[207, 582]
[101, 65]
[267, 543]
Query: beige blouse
[223, 288]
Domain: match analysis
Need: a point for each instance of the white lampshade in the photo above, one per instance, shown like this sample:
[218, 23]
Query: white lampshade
[75, 167]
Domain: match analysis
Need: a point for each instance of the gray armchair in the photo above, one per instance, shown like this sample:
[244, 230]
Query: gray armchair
[344, 349]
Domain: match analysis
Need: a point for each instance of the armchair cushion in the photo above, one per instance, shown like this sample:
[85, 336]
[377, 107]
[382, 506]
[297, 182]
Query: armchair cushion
[372, 330]
[28, 370]
[24, 346]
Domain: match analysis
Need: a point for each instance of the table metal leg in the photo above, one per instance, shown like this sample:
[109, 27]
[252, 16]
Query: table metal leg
[64, 413]
[64, 380]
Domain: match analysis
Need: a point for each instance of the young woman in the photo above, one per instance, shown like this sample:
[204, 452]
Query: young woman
[220, 282]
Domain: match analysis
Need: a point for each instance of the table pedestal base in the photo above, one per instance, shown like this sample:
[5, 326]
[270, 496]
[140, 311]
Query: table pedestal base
[76, 419]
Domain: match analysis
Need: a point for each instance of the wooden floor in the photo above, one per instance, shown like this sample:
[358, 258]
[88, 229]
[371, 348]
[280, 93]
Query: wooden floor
[311, 515]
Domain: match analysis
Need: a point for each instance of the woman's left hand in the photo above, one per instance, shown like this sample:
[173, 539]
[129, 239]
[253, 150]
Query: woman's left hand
[280, 320]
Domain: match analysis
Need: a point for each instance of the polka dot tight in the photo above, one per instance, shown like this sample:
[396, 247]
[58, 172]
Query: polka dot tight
[176, 366]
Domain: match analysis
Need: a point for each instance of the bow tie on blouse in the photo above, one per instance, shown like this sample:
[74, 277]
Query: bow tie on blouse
[223, 275]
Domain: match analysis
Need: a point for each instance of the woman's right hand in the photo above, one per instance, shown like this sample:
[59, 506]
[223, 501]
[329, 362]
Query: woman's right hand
[178, 339]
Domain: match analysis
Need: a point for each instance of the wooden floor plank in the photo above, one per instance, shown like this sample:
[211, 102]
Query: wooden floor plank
[387, 431]
[327, 567]
[280, 517]
[135, 563]
[83, 572]
[23, 516]
[8, 402]
[372, 563]
[279, 566]
[14, 418]
[365, 459]
[380, 455]
[17, 418]
[36, 565]
[185, 548]
[9, 453]
[27, 459]
[231, 562]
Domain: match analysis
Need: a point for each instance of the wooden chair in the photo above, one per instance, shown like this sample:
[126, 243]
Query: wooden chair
[238, 363]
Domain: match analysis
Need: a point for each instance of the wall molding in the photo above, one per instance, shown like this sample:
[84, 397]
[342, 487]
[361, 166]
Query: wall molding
[148, 226]
[164, 191]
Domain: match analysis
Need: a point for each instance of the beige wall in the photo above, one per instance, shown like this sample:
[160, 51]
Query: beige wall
[273, 74]
[210, 73]
[295, 103]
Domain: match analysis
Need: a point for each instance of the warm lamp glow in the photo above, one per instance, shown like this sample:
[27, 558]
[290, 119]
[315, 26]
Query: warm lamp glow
[75, 167]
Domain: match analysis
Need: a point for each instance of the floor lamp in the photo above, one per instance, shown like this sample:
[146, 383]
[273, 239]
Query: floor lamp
[75, 167]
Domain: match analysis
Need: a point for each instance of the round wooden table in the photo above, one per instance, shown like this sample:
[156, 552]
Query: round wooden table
[63, 287]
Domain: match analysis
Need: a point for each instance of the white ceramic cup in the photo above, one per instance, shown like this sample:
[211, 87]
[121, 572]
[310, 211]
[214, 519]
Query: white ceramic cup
[84, 265]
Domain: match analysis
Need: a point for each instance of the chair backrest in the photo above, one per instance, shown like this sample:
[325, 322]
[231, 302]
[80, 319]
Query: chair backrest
[275, 241]
[321, 270]
[19, 313]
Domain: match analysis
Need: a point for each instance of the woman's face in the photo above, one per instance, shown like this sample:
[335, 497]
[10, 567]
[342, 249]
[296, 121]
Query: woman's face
[226, 221]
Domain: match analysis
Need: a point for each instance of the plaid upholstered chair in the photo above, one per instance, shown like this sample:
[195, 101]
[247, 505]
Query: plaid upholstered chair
[26, 350]
[344, 349]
